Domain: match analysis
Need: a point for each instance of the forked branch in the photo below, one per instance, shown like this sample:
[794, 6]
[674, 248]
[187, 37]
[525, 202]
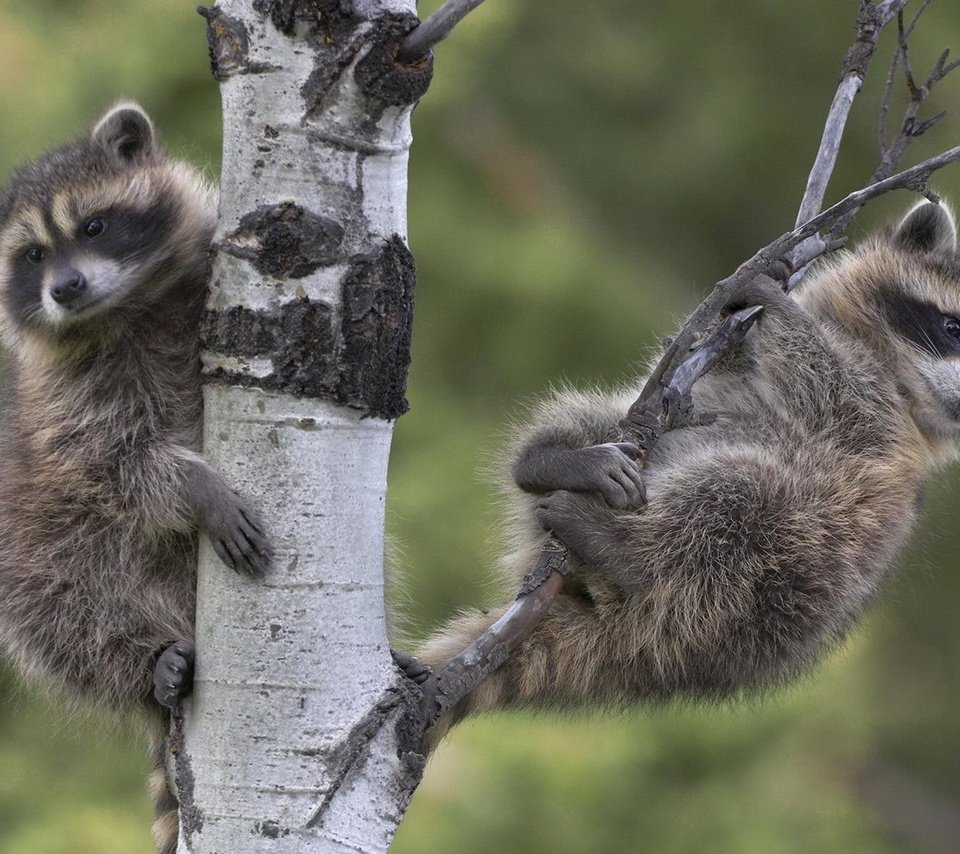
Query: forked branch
[912, 127]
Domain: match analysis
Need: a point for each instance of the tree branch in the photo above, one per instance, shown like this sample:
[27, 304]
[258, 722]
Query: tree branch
[870, 23]
[911, 127]
[435, 29]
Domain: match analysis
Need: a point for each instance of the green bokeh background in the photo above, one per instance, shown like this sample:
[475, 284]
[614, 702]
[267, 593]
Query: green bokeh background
[581, 173]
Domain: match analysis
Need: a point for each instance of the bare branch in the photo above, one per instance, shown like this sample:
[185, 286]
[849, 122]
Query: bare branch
[870, 23]
[885, 103]
[911, 127]
[915, 94]
[435, 29]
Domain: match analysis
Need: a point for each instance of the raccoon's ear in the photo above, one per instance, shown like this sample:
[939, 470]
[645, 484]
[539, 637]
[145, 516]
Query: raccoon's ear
[126, 132]
[927, 228]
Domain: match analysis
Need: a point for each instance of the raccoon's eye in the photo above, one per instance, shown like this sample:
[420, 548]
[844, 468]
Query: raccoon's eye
[35, 254]
[951, 326]
[94, 227]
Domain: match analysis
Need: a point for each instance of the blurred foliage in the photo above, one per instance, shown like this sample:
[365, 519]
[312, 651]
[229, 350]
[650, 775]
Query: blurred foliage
[581, 173]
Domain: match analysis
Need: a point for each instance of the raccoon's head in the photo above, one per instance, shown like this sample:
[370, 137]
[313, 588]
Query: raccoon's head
[901, 293]
[101, 227]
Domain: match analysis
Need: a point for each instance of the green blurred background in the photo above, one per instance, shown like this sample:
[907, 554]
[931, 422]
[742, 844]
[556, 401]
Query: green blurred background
[581, 173]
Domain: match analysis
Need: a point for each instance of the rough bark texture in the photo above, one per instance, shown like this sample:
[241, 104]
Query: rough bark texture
[298, 736]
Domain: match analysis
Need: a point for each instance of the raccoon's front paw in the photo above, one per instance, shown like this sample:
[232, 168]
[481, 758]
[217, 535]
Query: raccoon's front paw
[412, 667]
[238, 537]
[612, 470]
[581, 521]
[173, 674]
[761, 290]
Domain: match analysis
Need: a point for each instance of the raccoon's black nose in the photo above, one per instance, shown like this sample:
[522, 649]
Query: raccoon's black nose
[68, 286]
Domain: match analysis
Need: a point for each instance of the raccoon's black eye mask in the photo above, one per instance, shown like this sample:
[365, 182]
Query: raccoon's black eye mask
[924, 325]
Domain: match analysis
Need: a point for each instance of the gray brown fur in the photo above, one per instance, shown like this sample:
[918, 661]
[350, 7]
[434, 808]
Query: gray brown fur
[769, 526]
[102, 485]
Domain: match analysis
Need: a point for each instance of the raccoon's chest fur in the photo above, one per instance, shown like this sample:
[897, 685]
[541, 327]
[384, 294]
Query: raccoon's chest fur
[97, 564]
[87, 457]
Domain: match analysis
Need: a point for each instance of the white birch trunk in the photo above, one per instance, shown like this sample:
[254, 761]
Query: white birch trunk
[283, 747]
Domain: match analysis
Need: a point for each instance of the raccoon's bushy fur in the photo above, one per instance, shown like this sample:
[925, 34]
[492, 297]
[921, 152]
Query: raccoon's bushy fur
[770, 525]
[104, 250]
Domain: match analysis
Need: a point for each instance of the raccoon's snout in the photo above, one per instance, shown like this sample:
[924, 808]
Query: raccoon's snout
[68, 285]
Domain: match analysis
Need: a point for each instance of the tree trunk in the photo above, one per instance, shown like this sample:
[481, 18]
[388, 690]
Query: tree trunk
[283, 747]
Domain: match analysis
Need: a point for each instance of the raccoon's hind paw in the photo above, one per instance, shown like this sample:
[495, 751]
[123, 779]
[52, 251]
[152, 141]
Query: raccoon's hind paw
[238, 538]
[581, 521]
[173, 674]
[413, 668]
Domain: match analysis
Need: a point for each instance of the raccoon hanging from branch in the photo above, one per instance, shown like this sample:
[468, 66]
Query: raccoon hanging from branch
[752, 539]
[104, 249]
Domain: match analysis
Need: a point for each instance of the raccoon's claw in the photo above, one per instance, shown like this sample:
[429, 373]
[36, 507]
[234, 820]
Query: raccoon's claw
[238, 539]
[173, 674]
[413, 668]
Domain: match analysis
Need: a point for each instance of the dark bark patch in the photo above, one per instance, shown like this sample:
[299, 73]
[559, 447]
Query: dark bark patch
[376, 324]
[298, 340]
[326, 16]
[347, 759]
[363, 364]
[191, 818]
[382, 77]
[229, 45]
[285, 240]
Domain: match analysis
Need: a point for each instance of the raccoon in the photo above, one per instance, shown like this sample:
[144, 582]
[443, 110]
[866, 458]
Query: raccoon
[752, 539]
[104, 260]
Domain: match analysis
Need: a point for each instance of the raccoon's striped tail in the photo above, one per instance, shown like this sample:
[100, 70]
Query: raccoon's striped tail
[564, 663]
[166, 809]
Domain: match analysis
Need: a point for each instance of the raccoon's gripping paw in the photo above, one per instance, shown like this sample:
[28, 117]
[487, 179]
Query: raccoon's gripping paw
[761, 290]
[238, 537]
[581, 521]
[412, 667]
[612, 470]
[173, 674]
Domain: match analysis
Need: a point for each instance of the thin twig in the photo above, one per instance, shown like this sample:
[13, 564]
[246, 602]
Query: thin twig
[885, 103]
[435, 29]
[916, 18]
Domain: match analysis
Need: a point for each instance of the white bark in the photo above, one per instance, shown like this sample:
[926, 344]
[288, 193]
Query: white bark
[277, 754]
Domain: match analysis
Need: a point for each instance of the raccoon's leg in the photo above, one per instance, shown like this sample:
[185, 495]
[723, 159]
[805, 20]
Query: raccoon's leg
[235, 531]
[809, 375]
[173, 673]
[610, 469]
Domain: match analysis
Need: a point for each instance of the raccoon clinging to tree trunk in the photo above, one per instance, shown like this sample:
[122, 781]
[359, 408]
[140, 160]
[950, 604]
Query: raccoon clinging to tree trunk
[104, 248]
[752, 538]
